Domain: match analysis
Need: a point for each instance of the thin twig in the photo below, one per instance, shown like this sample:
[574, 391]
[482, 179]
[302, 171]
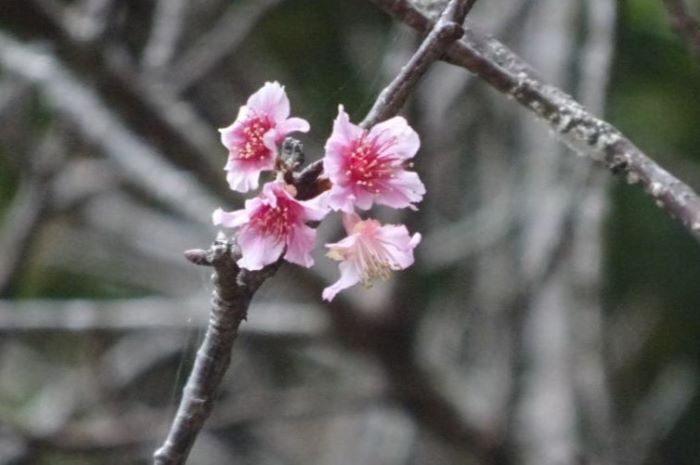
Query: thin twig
[446, 30]
[684, 23]
[495, 64]
[233, 290]
[392, 98]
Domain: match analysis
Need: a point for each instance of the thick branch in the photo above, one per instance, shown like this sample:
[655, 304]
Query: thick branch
[233, 290]
[494, 63]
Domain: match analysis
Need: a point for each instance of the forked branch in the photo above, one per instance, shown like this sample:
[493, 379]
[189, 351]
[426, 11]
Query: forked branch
[588, 135]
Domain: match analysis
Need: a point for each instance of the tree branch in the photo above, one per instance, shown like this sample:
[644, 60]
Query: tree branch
[233, 291]
[495, 64]
[445, 31]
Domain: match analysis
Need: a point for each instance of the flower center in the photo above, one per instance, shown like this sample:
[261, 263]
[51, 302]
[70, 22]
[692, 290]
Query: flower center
[273, 221]
[254, 147]
[366, 167]
[373, 260]
[375, 267]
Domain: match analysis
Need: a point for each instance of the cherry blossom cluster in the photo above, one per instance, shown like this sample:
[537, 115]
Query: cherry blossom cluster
[363, 168]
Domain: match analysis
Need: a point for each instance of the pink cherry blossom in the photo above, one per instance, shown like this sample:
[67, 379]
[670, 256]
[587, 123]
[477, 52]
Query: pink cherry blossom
[370, 166]
[370, 251]
[252, 139]
[273, 224]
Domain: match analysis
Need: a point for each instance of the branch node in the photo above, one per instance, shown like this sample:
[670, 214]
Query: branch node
[197, 257]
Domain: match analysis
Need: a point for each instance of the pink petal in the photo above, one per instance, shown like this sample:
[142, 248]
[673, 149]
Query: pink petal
[243, 179]
[270, 140]
[275, 190]
[299, 246]
[315, 209]
[399, 245]
[230, 135]
[415, 240]
[396, 137]
[340, 198]
[369, 251]
[342, 137]
[252, 204]
[345, 243]
[258, 251]
[349, 276]
[270, 100]
[363, 199]
[344, 132]
[404, 189]
[269, 193]
[333, 167]
[229, 219]
[293, 125]
[350, 220]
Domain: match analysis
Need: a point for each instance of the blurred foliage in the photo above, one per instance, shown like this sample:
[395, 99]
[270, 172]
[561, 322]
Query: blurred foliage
[652, 263]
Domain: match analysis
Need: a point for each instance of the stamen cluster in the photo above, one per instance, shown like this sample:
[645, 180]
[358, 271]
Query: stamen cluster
[360, 168]
[254, 146]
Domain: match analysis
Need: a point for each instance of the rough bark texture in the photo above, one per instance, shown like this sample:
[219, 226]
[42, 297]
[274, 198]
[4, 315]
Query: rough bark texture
[233, 290]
